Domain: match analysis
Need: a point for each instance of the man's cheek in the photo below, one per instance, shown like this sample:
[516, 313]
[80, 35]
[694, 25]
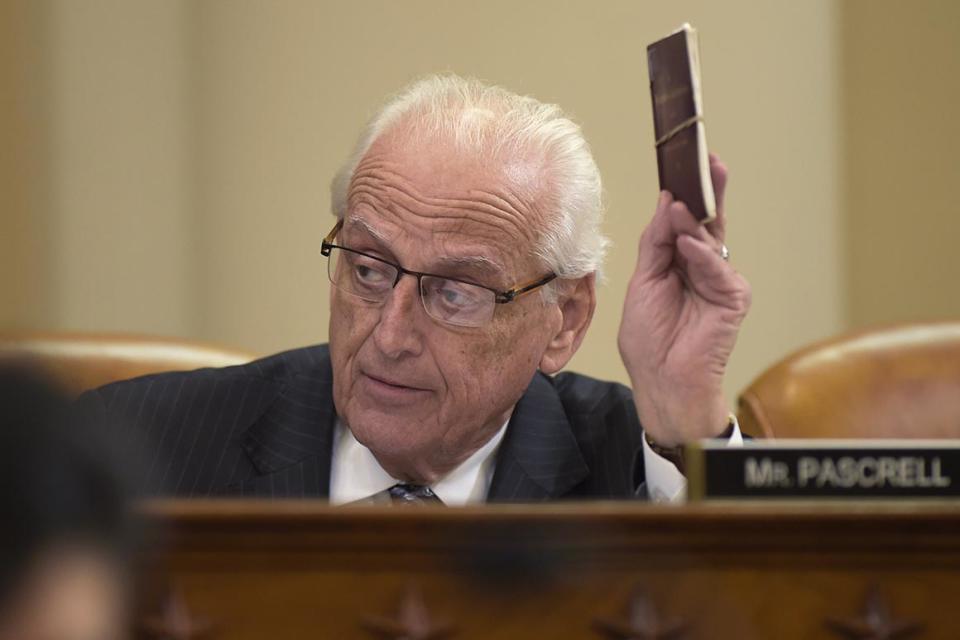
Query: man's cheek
[345, 321]
[502, 341]
[487, 367]
[513, 350]
[344, 342]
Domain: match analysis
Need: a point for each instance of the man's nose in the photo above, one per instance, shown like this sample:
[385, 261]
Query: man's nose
[397, 333]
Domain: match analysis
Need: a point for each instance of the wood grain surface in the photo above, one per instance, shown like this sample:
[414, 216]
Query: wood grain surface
[301, 569]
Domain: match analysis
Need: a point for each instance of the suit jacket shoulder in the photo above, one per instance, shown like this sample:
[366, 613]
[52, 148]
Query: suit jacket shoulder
[200, 433]
[583, 396]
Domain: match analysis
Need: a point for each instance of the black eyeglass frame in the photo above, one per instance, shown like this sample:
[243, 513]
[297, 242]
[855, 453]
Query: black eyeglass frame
[500, 297]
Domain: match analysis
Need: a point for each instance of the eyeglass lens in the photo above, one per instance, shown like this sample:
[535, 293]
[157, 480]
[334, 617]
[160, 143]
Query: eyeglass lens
[450, 301]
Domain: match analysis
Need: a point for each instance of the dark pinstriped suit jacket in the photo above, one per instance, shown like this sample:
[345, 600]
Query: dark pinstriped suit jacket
[266, 429]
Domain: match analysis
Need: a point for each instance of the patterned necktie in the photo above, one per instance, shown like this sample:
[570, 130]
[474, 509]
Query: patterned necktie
[412, 494]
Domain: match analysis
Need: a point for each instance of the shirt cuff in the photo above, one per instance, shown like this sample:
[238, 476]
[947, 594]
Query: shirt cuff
[665, 483]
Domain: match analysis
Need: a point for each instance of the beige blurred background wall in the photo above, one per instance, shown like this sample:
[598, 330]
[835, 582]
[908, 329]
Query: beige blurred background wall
[26, 291]
[902, 160]
[184, 150]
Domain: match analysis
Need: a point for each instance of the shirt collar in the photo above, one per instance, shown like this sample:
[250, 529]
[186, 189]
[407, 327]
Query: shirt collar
[355, 473]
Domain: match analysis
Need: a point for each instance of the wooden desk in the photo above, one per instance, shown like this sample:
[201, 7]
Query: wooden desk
[304, 570]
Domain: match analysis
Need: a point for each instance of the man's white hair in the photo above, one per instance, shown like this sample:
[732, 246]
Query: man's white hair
[496, 123]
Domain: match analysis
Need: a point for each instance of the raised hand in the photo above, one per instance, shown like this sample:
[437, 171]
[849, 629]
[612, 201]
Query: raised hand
[682, 313]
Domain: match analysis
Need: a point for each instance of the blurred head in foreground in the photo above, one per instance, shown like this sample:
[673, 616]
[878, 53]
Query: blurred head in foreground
[66, 530]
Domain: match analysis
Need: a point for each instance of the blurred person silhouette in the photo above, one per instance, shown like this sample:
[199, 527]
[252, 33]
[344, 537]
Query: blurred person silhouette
[66, 532]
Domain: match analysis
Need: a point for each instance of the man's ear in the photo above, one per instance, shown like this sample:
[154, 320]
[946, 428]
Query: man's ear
[577, 302]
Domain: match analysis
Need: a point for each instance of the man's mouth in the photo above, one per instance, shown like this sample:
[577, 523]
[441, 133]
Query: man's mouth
[390, 385]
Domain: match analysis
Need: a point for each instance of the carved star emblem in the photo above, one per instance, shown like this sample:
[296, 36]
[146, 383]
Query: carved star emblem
[176, 622]
[640, 622]
[876, 622]
[413, 621]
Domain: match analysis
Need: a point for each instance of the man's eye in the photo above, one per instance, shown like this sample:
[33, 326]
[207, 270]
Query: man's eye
[368, 274]
[455, 295]
[452, 297]
[365, 273]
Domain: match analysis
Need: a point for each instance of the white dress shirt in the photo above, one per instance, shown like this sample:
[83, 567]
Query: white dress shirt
[355, 473]
[665, 483]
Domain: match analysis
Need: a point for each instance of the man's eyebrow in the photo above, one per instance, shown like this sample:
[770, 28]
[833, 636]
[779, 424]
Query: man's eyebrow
[477, 262]
[357, 221]
[481, 262]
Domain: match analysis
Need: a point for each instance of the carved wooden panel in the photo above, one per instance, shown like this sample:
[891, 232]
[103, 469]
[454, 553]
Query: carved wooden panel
[640, 621]
[875, 621]
[303, 570]
[413, 621]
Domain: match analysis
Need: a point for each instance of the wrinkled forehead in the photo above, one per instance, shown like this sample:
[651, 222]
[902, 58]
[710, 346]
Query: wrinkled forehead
[448, 198]
[431, 250]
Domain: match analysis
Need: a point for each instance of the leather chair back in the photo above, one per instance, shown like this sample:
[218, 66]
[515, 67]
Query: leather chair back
[896, 382]
[78, 362]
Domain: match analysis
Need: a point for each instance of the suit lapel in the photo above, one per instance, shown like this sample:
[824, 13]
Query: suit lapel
[290, 444]
[539, 458]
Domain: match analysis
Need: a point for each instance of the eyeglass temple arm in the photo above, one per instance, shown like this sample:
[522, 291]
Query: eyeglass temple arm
[516, 292]
[324, 249]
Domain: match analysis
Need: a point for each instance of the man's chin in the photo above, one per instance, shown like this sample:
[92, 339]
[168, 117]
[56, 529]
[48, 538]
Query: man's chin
[368, 420]
[388, 437]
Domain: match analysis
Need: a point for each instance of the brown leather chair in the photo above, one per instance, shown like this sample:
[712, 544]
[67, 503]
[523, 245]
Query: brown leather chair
[79, 362]
[894, 382]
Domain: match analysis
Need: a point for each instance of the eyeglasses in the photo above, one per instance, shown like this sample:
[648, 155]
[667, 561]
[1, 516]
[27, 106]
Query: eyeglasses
[450, 300]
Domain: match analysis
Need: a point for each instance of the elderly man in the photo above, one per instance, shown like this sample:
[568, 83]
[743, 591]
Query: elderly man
[463, 266]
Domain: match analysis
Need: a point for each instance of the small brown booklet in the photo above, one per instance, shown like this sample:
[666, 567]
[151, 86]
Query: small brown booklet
[682, 159]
